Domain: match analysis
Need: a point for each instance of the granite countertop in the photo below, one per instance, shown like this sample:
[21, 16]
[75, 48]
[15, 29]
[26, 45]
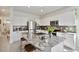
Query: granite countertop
[55, 40]
[46, 46]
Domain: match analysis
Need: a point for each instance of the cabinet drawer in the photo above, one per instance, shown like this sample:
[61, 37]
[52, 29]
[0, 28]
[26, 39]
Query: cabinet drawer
[60, 34]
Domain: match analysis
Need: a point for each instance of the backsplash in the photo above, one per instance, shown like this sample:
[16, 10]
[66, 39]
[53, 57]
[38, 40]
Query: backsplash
[20, 28]
[42, 27]
[60, 28]
[67, 29]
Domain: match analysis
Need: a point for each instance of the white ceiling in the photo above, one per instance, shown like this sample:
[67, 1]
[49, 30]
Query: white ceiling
[36, 10]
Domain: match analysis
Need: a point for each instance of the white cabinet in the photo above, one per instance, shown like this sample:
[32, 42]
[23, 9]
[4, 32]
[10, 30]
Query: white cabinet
[70, 39]
[60, 34]
[77, 28]
[15, 36]
[58, 48]
[67, 19]
[69, 42]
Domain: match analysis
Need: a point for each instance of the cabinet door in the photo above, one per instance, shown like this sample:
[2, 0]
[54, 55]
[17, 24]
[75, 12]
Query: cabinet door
[67, 19]
[69, 39]
[69, 42]
[58, 48]
[16, 36]
[60, 34]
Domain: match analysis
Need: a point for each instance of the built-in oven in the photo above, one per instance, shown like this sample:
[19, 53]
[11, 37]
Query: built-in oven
[54, 23]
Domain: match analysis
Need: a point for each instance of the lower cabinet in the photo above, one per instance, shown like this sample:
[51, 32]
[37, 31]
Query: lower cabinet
[70, 39]
[58, 48]
[15, 36]
[69, 42]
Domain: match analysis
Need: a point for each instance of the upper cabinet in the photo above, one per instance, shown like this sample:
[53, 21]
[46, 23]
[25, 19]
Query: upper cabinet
[67, 19]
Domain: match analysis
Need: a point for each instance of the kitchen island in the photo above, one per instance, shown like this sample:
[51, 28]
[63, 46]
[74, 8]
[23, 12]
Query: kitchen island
[53, 44]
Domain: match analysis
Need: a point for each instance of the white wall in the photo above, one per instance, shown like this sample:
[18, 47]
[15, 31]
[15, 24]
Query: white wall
[64, 16]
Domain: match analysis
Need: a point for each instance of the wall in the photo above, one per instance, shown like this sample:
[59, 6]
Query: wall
[64, 16]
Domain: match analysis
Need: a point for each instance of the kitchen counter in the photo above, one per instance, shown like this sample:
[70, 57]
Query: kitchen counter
[68, 32]
[70, 39]
[47, 44]
[54, 41]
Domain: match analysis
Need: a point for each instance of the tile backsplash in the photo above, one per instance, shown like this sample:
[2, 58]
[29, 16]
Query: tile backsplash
[60, 28]
[68, 28]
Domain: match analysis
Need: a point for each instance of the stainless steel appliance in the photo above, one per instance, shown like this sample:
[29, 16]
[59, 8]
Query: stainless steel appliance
[31, 29]
[54, 23]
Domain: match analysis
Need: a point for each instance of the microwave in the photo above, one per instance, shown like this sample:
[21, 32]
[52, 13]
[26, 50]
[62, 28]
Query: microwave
[54, 23]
